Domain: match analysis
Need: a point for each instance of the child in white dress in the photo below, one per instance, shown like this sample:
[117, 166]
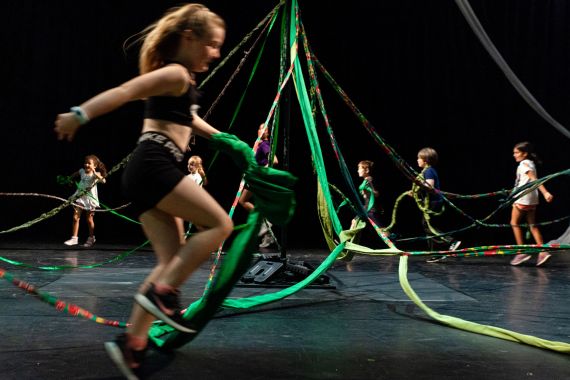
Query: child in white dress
[93, 171]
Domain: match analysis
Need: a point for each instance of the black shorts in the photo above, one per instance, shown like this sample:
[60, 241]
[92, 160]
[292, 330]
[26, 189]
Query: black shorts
[153, 170]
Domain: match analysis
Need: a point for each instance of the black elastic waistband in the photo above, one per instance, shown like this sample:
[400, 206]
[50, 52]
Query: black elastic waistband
[163, 140]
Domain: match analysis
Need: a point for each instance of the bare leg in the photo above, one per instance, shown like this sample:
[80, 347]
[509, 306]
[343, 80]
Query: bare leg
[516, 217]
[244, 200]
[164, 232]
[76, 217]
[178, 259]
[190, 202]
[91, 222]
[534, 230]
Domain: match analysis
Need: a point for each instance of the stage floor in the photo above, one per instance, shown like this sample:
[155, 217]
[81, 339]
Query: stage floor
[362, 326]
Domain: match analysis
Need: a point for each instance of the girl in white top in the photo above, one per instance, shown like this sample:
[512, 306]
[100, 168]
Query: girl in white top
[525, 206]
[196, 170]
[92, 172]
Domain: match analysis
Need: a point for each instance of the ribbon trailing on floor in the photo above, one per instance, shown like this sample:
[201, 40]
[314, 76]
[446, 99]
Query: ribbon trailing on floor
[59, 305]
[477, 328]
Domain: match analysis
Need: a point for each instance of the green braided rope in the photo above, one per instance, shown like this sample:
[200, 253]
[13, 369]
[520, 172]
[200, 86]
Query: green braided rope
[395, 210]
[40, 195]
[423, 204]
[65, 267]
[243, 41]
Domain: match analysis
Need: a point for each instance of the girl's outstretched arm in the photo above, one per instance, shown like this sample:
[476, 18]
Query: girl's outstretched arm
[171, 80]
[201, 128]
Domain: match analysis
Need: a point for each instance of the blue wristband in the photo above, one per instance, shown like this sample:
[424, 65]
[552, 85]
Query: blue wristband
[80, 115]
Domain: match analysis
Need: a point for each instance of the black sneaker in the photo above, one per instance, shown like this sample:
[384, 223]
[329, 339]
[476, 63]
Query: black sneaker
[164, 307]
[126, 359]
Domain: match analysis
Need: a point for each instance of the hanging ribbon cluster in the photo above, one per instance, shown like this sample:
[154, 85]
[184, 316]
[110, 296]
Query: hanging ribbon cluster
[340, 241]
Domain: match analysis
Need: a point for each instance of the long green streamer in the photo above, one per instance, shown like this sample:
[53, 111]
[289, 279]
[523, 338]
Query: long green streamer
[477, 328]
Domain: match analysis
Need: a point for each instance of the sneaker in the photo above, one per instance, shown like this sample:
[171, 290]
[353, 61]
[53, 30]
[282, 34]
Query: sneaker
[266, 241]
[89, 242]
[72, 241]
[265, 227]
[164, 307]
[125, 358]
[455, 245]
[519, 259]
[542, 258]
[436, 259]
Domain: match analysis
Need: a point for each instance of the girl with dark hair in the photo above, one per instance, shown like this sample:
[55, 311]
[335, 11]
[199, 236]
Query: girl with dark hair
[525, 205]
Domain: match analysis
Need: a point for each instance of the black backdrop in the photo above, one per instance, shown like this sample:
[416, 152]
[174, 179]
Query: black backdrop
[414, 68]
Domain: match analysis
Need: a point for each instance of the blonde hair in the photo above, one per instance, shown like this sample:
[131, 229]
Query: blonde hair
[161, 39]
[197, 160]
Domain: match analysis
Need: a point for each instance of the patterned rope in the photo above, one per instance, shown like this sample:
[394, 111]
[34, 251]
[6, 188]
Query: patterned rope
[59, 305]
[64, 267]
[268, 21]
[243, 41]
[40, 195]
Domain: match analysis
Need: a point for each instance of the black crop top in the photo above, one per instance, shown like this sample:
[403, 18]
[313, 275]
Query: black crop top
[172, 108]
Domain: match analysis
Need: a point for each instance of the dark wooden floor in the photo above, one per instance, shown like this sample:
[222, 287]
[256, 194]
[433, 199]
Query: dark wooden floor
[363, 326]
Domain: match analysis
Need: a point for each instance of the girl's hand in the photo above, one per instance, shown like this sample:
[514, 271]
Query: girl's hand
[66, 125]
[548, 197]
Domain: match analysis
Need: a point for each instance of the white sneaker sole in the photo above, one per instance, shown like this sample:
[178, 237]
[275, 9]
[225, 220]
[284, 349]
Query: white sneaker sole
[455, 245]
[117, 357]
[152, 309]
[543, 260]
[516, 263]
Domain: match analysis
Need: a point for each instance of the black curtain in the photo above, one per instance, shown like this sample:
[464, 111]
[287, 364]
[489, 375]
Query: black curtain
[414, 68]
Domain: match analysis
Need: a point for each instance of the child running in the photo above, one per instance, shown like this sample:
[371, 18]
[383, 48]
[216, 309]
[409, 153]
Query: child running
[180, 44]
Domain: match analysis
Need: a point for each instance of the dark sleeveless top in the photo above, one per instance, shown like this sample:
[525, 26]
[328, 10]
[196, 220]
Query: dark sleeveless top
[172, 108]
